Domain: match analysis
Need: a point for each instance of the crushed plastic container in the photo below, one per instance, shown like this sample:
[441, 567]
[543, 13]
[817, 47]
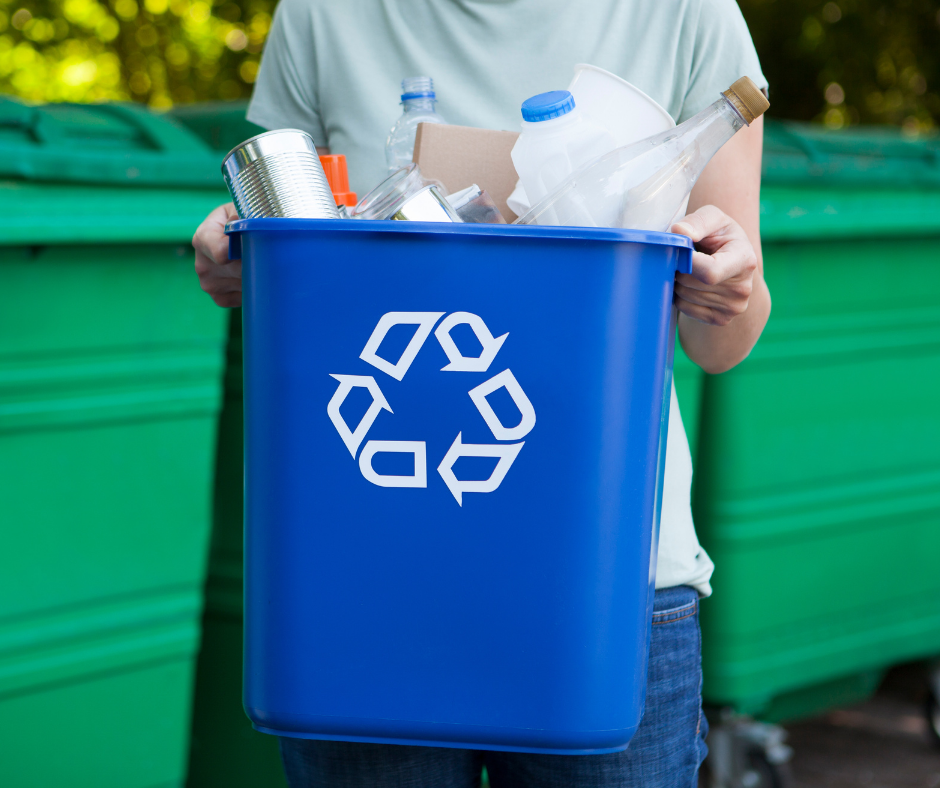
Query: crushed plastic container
[455, 442]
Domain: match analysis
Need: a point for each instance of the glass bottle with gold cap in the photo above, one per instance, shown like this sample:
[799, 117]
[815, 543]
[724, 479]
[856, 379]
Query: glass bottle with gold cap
[644, 186]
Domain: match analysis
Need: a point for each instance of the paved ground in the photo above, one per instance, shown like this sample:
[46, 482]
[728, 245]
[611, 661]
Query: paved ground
[883, 743]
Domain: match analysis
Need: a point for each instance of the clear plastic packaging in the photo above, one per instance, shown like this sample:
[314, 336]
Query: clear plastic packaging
[474, 206]
[386, 198]
[380, 203]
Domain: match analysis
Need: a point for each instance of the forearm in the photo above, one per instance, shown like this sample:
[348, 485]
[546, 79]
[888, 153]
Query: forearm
[718, 348]
[731, 182]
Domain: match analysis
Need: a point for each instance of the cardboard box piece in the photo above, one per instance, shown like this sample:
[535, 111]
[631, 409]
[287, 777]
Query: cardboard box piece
[459, 156]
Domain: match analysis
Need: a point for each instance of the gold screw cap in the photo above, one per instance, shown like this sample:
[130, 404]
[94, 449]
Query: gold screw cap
[747, 99]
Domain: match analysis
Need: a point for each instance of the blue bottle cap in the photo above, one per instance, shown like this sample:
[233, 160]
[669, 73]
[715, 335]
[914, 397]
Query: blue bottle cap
[546, 106]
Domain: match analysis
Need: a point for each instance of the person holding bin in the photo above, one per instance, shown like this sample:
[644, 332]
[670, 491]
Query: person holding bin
[329, 69]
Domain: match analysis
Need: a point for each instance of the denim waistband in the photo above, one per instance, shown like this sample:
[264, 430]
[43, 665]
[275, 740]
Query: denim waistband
[671, 604]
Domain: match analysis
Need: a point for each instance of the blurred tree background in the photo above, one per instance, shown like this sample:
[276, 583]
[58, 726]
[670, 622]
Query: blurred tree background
[161, 52]
[844, 62]
[839, 62]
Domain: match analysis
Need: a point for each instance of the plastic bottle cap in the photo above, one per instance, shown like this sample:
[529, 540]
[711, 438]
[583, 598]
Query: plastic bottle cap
[417, 87]
[546, 106]
[747, 99]
[334, 165]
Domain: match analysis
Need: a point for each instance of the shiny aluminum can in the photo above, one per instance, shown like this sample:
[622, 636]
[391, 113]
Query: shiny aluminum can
[278, 174]
[426, 205]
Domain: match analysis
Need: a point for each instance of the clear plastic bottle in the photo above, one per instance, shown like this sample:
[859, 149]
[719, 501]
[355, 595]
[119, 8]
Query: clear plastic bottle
[418, 100]
[644, 186]
[556, 140]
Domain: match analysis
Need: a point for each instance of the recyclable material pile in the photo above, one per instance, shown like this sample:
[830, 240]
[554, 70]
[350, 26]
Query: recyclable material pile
[600, 154]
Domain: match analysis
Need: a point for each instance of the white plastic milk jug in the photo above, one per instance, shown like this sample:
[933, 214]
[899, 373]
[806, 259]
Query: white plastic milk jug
[556, 140]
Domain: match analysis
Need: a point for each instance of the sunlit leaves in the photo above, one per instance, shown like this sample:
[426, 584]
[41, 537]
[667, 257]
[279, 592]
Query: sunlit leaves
[843, 62]
[158, 51]
[125, 9]
[236, 40]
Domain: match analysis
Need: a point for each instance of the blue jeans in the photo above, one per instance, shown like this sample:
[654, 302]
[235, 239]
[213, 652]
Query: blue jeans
[665, 752]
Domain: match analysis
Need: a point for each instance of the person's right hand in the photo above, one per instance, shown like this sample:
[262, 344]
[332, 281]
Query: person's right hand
[220, 277]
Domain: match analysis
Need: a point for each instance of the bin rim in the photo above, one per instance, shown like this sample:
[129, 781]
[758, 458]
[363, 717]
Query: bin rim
[445, 228]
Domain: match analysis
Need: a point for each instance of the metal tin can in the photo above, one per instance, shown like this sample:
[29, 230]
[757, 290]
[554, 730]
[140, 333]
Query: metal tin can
[427, 205]
[278, 174]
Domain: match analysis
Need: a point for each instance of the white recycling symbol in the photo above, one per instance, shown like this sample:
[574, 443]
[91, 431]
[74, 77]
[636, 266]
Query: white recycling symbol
[505, 453]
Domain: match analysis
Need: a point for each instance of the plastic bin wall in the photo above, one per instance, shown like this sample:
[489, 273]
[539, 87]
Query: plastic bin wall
[396, 590]
[110, 372]
[818, 468]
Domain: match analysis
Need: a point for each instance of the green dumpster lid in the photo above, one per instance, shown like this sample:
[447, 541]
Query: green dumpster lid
[220, 124]
[854, 183]
[102, 144]
[805, 154]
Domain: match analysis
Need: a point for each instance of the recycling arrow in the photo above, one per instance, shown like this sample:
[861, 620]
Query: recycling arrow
[506, 453]
[370, 353]
[352, 438]
[505, 380]
[458, 361]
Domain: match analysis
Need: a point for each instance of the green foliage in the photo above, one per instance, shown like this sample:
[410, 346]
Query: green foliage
[839, 62]
[850, 61]
[157, 51]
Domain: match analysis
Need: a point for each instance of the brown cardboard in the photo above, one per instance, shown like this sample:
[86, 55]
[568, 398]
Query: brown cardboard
[459, 156]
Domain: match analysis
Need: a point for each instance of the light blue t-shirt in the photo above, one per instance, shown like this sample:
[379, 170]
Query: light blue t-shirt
[334, 68]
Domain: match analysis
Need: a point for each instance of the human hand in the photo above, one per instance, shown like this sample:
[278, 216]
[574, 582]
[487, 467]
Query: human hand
[723, 266]
[220, 277]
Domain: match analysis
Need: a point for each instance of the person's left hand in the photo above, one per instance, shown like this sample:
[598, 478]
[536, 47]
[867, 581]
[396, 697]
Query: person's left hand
[220, 277]
[723, 267]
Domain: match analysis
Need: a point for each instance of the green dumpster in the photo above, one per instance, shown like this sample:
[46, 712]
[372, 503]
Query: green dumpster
[818, 462]
[111, 365]
[226, 751]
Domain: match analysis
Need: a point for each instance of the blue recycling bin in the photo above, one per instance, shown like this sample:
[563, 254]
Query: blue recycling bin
[455, 439]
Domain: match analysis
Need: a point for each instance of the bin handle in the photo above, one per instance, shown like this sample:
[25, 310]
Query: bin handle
[234, 245]
[684, 265]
